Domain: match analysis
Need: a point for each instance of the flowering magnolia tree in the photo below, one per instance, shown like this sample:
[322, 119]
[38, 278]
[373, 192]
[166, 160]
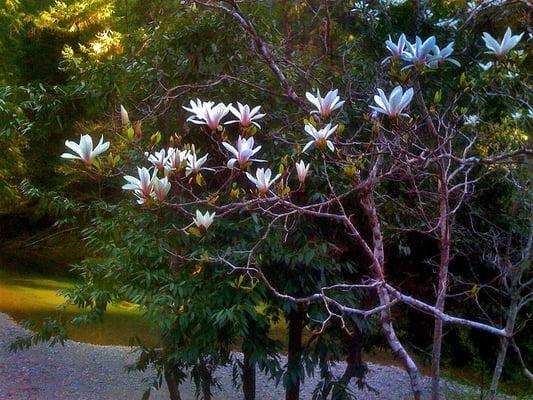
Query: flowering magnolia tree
[237, 194]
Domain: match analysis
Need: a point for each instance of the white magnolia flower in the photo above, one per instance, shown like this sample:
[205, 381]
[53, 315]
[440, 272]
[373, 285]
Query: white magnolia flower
[262, 179]
[487, 66]
[395, 104]
[142, 186]
[158, 159]
[477, 5]
[243, 152]
[361, 7]
[194, 164]
[84, 150]
[522, 114]
[505, 46]
[160, 188]
[438, 56]
[124, 118]
[203, 221]
[245, 116]
[325, 105]
[209, 114]
[198, 106]
[472, 6]
[417, 52]
[358, 6]
[472, 119]
[320, 137]
[396, 49]
[302, 170]
[450, 23]
[176, 160]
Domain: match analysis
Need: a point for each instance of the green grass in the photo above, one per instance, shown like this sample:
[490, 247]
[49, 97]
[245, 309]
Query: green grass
[28, 297]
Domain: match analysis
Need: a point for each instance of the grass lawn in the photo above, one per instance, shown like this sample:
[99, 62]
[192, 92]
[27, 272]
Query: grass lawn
[28, 297]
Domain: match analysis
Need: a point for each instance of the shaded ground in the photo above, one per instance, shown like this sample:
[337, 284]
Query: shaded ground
[89, 372]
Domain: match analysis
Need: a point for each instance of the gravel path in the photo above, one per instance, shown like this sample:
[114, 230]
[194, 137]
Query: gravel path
[81, 371]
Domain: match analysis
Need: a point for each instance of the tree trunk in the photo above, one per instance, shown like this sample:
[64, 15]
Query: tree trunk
[397, 347]
[502, 353]
[248, 376]
[172, 385]
[525, 370]
[354, 360]
[435, 359]
[445, 243]
[296, 326]
[378, 272]
[205, 379]
[354, 363]
[444, 233]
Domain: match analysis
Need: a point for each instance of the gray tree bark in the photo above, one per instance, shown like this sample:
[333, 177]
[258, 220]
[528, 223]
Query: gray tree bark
[502, 353]
[378, 270]
[445, 244]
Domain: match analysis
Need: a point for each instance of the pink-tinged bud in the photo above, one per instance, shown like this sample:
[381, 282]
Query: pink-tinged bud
[302, 170]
